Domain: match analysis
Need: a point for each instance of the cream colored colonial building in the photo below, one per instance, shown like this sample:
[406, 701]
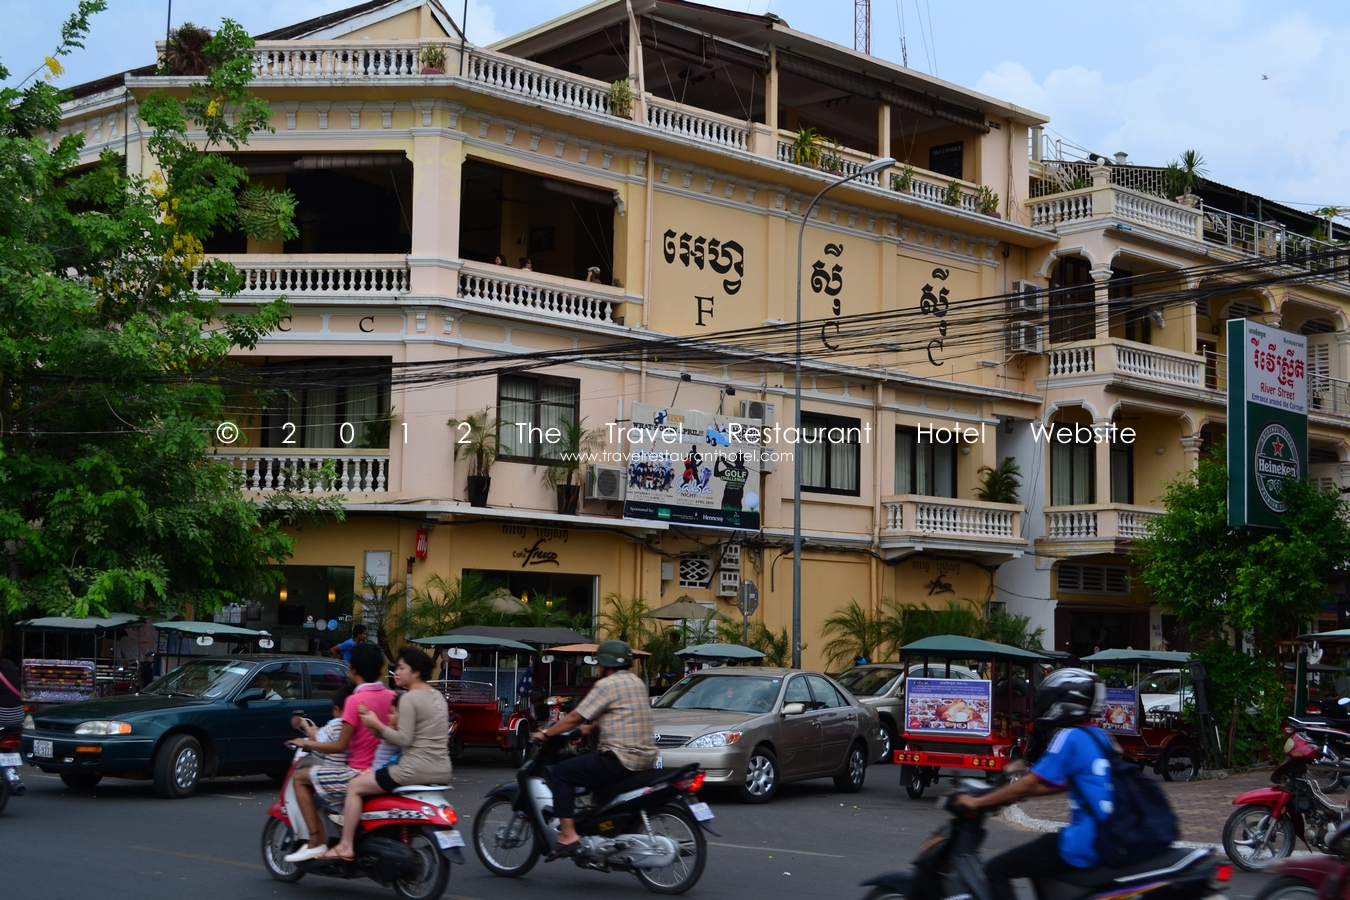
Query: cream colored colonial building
[422, 194]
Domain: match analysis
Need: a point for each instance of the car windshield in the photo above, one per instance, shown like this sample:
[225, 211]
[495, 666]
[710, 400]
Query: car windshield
[1160, 683]
[868, 682]
[730, 693]
[205, 679]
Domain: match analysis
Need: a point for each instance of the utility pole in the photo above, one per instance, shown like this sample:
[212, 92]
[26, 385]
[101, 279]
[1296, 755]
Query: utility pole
[862, 26]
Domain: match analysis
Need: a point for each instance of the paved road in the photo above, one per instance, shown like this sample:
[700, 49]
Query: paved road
[120, 841]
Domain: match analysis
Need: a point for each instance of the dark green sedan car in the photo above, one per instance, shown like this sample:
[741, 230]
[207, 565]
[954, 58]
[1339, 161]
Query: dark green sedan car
[221, 715]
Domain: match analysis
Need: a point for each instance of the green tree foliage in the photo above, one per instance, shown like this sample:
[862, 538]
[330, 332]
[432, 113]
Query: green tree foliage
[1247, 580]
[444, 604]
[382, 610]
[855, 631]
[1001, 484]
[108, 498]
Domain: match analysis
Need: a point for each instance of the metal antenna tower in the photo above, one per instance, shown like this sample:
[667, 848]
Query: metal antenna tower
[862, 26]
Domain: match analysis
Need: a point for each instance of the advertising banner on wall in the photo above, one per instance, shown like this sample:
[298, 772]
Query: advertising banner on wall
[1267, 420]
[948, 706]
[693, 468]
[1121, 714]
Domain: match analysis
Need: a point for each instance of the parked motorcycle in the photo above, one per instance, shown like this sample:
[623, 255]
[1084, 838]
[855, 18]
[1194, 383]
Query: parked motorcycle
[10, 762]
[948, 865]
[650, 823]
[407, 840]
[1267, 821]
[1331, 770]
[1312, 877]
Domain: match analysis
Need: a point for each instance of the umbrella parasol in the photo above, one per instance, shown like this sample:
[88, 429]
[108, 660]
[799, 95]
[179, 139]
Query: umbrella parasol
[683, 608]
[591, 649]
[502, 601]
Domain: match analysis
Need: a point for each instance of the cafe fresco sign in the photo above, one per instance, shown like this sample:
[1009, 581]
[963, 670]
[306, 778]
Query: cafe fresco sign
[1268, 420]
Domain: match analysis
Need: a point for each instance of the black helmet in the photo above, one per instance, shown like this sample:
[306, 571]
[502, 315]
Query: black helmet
[614, 655]
[1068, 697]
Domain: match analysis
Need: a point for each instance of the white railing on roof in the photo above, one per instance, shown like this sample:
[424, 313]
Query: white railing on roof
[1158, 214]
[314, 275]
[923, 184]
[537, 82]
[1062, 208]
[508, 287]
[335, 59]
[697, 125]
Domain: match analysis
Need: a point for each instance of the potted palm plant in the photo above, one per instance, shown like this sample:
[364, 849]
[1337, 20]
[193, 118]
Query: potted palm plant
[476, 440]
[432, 58]
[904, 181]
[952, 194]
[832, 158]
[806, 147]
[621, 98]
[986, 201]
[185, 51]
[566, 469]
[999, 485]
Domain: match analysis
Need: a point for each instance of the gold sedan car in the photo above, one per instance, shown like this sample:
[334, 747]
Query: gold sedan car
[756, 728]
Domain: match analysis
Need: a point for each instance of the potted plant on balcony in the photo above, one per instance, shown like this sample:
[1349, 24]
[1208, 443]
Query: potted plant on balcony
[805, 147]
[185, 50]
[999, 485]
[1183, 177]
[565, 471]
[952, 194]
[621, 98]
[986, 201]
[832, 158]
[432, 58]
[476, 440]
[903, 182]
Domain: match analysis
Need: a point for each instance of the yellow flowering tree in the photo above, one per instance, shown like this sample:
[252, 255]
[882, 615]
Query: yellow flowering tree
[112, 357]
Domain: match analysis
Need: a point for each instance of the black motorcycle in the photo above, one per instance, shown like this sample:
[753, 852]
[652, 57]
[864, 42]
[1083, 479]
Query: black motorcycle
[10, 761]
[650, 824]
[948, 865]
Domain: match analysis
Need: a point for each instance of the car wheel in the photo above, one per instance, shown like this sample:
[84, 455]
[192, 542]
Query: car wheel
[1179, 763]
[850, 781]
[761, 777]
[890, 738]
[912, 778]
[81, 781]
[178, 767]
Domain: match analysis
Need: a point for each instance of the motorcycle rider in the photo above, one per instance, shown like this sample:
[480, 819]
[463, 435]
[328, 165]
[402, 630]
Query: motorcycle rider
[618, 704]
[1074, 760]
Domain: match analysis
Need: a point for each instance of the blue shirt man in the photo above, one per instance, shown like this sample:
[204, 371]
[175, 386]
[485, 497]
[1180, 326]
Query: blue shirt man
[1076, 757]
[343, 650]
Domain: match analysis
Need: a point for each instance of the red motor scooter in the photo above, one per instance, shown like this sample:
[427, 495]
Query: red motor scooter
[1313, 877]
[1267, 822]
[407, 840]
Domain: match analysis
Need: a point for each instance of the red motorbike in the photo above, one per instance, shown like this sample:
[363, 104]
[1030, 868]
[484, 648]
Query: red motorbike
[1313, 877]
[407, 840]
[1267, 822]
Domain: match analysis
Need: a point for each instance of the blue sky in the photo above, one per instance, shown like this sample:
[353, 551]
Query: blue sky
[1150, 78]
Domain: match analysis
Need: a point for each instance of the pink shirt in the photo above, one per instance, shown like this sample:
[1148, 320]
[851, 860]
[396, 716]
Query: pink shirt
[377, 698]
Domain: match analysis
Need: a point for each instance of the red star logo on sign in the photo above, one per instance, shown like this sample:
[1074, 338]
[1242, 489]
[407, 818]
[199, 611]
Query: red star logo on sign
[1278, 447]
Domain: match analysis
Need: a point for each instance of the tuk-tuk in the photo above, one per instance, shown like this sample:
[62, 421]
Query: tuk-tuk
[184, 636]
[485, 711]
[63, 660]
[979, 724]
[1147, 717]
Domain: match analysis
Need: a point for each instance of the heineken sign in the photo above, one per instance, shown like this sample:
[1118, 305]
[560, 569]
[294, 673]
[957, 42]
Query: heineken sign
[1267, 420]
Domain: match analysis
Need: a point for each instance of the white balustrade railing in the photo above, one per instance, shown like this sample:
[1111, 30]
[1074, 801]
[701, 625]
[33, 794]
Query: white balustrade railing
[1163, 367]
[535, 296]
[315, 276]
[1072, 361]
[324, 59]
[1070, 524]
[923, 185]
[277, 469]
[697, 125]
[955, 518]
[1160, 215]
[541, 83]
[1061, 208]
[1133, 523]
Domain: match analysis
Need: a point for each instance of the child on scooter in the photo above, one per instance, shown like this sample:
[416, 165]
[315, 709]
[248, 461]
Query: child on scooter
[329, 731]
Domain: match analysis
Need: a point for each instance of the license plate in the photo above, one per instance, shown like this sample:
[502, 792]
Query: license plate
[42, 749]
[10, 760]
[449, 839]
[702, 811]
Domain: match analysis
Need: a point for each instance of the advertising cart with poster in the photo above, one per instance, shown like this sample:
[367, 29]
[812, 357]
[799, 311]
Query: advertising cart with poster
[1147, 719]
[693, 468]
[980, 724]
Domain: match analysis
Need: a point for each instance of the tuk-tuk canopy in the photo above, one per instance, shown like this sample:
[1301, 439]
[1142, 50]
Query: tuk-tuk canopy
[720, 651]
[1139, 657]
[1334, 637]
[954, 646]
[474, 642]
[589, 649]
[539, 637]
[214, 629]
[88, 623]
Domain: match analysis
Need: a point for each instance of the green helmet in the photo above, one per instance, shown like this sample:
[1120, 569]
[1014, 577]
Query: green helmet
[614, 655]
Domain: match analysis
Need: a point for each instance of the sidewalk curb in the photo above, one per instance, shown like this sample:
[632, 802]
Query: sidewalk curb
[1017, 816]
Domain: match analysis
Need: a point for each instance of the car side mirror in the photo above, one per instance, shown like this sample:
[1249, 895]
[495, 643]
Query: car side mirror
[794, 709]
[250, 694]
[656, 699]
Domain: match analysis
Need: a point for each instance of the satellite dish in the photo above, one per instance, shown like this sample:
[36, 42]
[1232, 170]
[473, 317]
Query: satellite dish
[457, 653]
[1315, 653]
[265, 643]
[546, 658]
[205, 640]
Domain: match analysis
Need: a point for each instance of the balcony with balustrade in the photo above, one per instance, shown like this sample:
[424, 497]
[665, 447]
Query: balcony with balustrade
[328, 277]
[267, 470]
[1129, 366]
[1094, 529]
[990, 533]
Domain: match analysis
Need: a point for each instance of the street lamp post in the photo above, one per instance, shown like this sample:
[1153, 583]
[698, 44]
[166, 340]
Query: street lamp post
[874, 166]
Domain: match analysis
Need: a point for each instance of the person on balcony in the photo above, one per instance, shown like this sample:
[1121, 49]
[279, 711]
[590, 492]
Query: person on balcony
[593, 275]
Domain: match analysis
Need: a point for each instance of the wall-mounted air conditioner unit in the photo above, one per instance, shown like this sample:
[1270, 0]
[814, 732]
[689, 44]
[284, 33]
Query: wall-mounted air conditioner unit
[1026, 297]
[758, 409]
[606, 483]
[1024, 337]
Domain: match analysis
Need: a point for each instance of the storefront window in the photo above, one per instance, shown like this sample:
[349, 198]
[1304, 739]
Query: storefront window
[300, 611]
[572, 595]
